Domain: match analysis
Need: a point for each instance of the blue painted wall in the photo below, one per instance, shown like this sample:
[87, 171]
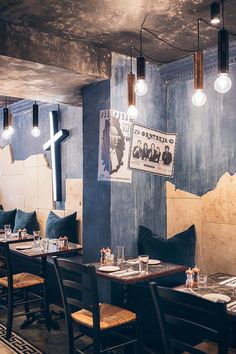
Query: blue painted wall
[206, 146]
[113, 211]
[96, 195]
[143, 201]
[25, 145]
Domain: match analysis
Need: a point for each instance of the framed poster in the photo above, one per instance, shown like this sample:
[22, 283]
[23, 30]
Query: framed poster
[152, 151]
[114, 142]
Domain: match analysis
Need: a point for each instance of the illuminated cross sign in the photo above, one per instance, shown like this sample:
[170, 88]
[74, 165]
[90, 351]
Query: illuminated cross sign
[54, 144]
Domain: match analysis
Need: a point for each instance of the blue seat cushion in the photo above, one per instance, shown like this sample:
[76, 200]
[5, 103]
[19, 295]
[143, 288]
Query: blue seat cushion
[26, 221]
[179, 249]
[7, 218]
[65, 226]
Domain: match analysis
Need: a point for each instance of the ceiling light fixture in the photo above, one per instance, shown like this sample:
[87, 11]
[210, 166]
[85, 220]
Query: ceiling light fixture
[132, 109]
[199, 97]
[141, 87]
[223, 83]
[35, 131]
[6, 133]
[215, 13]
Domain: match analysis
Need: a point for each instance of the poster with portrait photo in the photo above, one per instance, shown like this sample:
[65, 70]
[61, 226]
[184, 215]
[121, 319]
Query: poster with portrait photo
[114, 142]
[152, 151]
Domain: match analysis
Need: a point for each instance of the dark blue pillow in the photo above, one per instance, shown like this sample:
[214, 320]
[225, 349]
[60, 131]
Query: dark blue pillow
[26, 221]
[7, 218]
[179, 249]
[65, 226]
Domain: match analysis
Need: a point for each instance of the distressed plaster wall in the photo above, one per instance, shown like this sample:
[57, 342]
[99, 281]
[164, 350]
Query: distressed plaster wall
[205, 162]
[27, 185]
[214, 215]
[34, 191]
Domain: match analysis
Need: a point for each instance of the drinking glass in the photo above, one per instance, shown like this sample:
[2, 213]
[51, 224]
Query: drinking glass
[45, 244]
[120, 254]
[143, 263]
[202, 281]
[7, 229]
[36, 235]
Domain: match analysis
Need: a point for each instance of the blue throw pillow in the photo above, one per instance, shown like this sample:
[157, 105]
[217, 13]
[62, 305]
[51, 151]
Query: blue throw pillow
[26, 221]
[65, 226]
[179, 249]
[7, 218]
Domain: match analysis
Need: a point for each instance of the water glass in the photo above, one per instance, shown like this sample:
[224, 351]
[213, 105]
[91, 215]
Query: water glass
[143, 263]
[202, 281]
[36, 235]
[7, 229]
[45, 244]
[120, 254]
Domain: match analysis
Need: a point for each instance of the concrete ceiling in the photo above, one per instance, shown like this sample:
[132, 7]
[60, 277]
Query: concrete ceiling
[114, 24]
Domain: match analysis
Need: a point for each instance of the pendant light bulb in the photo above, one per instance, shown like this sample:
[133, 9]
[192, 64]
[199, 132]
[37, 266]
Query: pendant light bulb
[6, 134]
[215, 13]
[141, 87]
[10, 123]
[223, 83]
[199, 98]
[35, 132]
[11, 130]
[132, 111]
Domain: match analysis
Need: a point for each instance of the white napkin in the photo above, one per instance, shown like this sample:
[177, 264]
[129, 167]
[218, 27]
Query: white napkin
[125, 273]
[228, 281]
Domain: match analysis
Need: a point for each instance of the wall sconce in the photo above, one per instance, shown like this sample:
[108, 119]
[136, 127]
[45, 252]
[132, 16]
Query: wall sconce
[199, 97]
[132, 109]
[215, 13]
[141, 87]
[6, 133]
[35, 131]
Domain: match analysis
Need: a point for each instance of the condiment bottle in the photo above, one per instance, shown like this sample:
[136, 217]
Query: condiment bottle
[189, 280]
[195, 272]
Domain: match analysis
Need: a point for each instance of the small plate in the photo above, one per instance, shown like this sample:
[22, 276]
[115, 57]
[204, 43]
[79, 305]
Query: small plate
[132, 261]
[154, 261]
[215, 297]
[21, 248]
[108, 268]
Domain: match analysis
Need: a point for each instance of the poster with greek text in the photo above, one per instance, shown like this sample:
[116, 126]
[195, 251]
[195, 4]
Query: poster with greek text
[152, 151]
[114, 144]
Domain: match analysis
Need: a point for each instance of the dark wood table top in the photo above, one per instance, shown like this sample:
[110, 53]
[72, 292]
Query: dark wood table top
[38, 252]
[154, 271]
[214, 286]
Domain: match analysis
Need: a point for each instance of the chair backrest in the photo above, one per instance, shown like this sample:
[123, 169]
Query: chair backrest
[6, 264]
[184, 318]
[78, 286]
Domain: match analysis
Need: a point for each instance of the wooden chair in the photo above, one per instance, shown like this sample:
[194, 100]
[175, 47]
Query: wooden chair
[15, 292]
[186, 319]
[78, 285]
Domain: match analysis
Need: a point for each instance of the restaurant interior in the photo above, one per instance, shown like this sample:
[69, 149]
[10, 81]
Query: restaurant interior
[117, 176]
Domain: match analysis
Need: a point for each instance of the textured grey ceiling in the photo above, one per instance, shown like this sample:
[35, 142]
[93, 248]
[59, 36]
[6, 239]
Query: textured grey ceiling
[113, 24]
[46, 46]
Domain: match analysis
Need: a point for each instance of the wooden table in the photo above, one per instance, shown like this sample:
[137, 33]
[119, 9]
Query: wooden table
[154, 271]
[14, 238]
[39, 253]
[214, 286]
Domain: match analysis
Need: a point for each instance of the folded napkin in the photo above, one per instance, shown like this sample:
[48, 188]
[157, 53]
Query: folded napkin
[229, 282]
[125, 273]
